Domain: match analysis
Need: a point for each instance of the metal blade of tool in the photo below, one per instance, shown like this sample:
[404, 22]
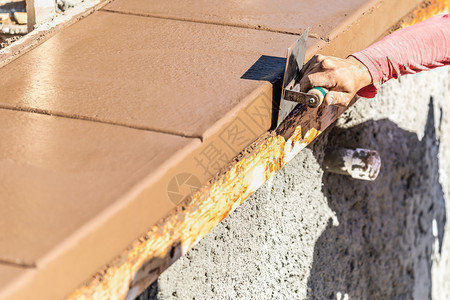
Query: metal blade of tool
[294, 64]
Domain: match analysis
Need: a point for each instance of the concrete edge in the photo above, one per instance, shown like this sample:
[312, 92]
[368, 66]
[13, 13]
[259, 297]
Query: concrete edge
[147, 257]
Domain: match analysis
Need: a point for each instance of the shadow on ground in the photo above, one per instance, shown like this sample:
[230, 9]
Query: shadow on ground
[151, 293]
[384, 243]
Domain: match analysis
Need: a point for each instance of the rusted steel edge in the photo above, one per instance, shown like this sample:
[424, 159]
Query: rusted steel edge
[146, 258]
[427, 9]
[49, 29]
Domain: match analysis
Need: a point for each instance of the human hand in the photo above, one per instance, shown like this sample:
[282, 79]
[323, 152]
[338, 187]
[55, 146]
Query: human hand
[342, 77]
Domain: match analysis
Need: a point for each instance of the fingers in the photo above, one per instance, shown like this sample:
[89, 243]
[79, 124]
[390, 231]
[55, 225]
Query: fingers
[337, 98]
[317, 78]
[311, 79]
[317, 72]
[335, 74]
[309, 67]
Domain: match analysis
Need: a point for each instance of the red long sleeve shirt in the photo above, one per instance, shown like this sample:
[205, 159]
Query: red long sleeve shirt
[420, 47]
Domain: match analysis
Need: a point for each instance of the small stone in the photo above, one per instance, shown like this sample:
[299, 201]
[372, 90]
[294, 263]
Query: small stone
[64, 5]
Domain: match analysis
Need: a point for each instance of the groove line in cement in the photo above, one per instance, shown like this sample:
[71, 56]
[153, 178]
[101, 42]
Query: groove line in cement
[19, 264]
[84, 118]
[259, 27]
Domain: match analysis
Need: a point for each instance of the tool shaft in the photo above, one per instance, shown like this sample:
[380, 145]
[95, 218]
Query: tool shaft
[313, 98]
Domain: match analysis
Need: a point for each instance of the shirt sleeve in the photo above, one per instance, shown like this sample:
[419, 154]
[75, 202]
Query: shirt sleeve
[420, 47]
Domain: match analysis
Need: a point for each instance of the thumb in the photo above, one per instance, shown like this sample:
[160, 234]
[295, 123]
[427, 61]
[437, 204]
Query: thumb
[337, 98]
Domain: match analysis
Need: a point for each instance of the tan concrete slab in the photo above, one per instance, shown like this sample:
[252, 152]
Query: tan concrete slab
[290, 16]
[169, 76]
[72, 192]
[8, 275]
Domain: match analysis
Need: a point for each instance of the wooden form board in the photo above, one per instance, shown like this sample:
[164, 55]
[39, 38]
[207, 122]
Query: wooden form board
[39, 11]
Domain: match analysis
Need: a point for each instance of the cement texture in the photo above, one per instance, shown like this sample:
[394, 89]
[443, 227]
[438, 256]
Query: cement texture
[315, 235]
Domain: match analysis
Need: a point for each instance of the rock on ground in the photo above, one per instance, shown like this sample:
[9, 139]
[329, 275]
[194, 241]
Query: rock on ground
[64, 5]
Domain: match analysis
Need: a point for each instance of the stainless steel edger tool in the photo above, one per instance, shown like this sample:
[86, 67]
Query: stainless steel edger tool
[291, 95]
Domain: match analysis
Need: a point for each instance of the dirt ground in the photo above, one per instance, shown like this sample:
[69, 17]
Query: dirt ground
[315, 235]
[11, 6]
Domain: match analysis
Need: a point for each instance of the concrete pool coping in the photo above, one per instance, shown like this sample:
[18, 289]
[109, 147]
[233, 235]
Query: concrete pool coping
[187, 222]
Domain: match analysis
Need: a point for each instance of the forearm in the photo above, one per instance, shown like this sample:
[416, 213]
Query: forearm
[417, 48]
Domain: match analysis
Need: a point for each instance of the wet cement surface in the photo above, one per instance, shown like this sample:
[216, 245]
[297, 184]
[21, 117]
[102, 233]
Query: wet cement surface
[178, 77]
[90, 167]
[306, 234]
[9, 273]
[69, 175]
[288, 16]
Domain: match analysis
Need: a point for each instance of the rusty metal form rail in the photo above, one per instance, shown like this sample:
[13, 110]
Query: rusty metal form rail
[146, 258]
